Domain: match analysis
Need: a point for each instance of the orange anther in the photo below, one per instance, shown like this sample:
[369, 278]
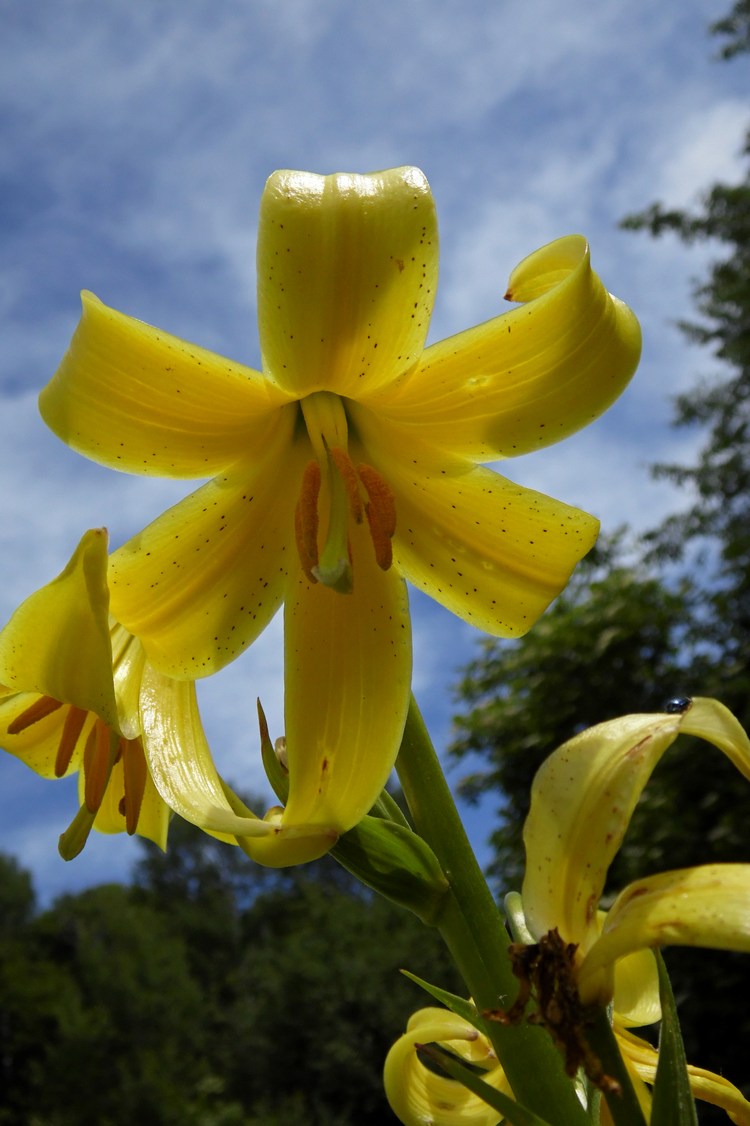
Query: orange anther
[381, 514]
[135, 772]
[71, 733]
[96, 766]
[306, 519]
[40, 709]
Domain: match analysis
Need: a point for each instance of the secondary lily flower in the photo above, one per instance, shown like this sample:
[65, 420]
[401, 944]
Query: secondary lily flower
[80, 695]
[418, 1095]
[347, 465]
[582, 800]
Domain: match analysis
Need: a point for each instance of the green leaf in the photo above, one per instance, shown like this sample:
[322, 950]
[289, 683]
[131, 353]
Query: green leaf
[508, 1108]
[458, 1005]
[673, 1103]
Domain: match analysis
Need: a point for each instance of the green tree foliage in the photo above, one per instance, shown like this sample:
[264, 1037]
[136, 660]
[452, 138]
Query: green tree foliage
[210, 993]
[611, 643]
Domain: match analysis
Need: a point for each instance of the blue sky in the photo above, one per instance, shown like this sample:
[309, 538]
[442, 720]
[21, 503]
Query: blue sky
[136, 139]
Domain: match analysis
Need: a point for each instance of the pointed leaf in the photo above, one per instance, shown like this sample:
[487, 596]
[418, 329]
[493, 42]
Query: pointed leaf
[673, 1103]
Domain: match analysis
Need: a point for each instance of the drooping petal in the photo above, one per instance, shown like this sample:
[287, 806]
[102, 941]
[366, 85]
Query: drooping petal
[705, 1085]
[581, 802]
[347, 271]
[529, 377]
[491, 551]
[418, 1095]
[704, 906]
[57, 642]
[205, 578]
[137, 399]
[128, 661]
[179, 758]
[582, 799]
[710, 720]
[347, 684]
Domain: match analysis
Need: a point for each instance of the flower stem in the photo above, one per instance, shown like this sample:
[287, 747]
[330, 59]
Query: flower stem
[474, 932]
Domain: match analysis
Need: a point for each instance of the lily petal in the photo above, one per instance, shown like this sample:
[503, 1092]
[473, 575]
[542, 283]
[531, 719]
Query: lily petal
[705, 1085]
[204, 579]
[704, 906]
[582, 799]
[179, 758]
[71, 614]
[492, 552]
[527, 378]
[710, 720]
[636, 997]
[140, 400]
[581, 802]
[419, 1095]
[348, 674]
[347, 272]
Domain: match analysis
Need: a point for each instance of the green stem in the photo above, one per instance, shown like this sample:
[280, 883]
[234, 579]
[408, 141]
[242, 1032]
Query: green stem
[474, 932]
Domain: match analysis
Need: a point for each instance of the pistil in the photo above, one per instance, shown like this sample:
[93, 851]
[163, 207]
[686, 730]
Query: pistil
[351, 492]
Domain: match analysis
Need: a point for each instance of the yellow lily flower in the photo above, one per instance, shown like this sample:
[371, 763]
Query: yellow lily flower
[420, 1096]
[347, 465]
[581, 802]
[80, 695]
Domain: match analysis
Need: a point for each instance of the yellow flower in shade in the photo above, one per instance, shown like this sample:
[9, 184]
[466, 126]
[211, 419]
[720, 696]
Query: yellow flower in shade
[421, 1097]
[347, 465]
[80, 695]
[582, 800]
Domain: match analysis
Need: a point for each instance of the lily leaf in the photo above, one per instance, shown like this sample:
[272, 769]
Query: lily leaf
[673, 1103]
[458, 1005]
[510, 1110]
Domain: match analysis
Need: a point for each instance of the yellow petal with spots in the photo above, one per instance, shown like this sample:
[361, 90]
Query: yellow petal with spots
[704, 906]
[527, 378]
[582, 799]
[138, 399]
[204, 579]
[347, 686]
[347, 272]
[57, 642]
[491, 551]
